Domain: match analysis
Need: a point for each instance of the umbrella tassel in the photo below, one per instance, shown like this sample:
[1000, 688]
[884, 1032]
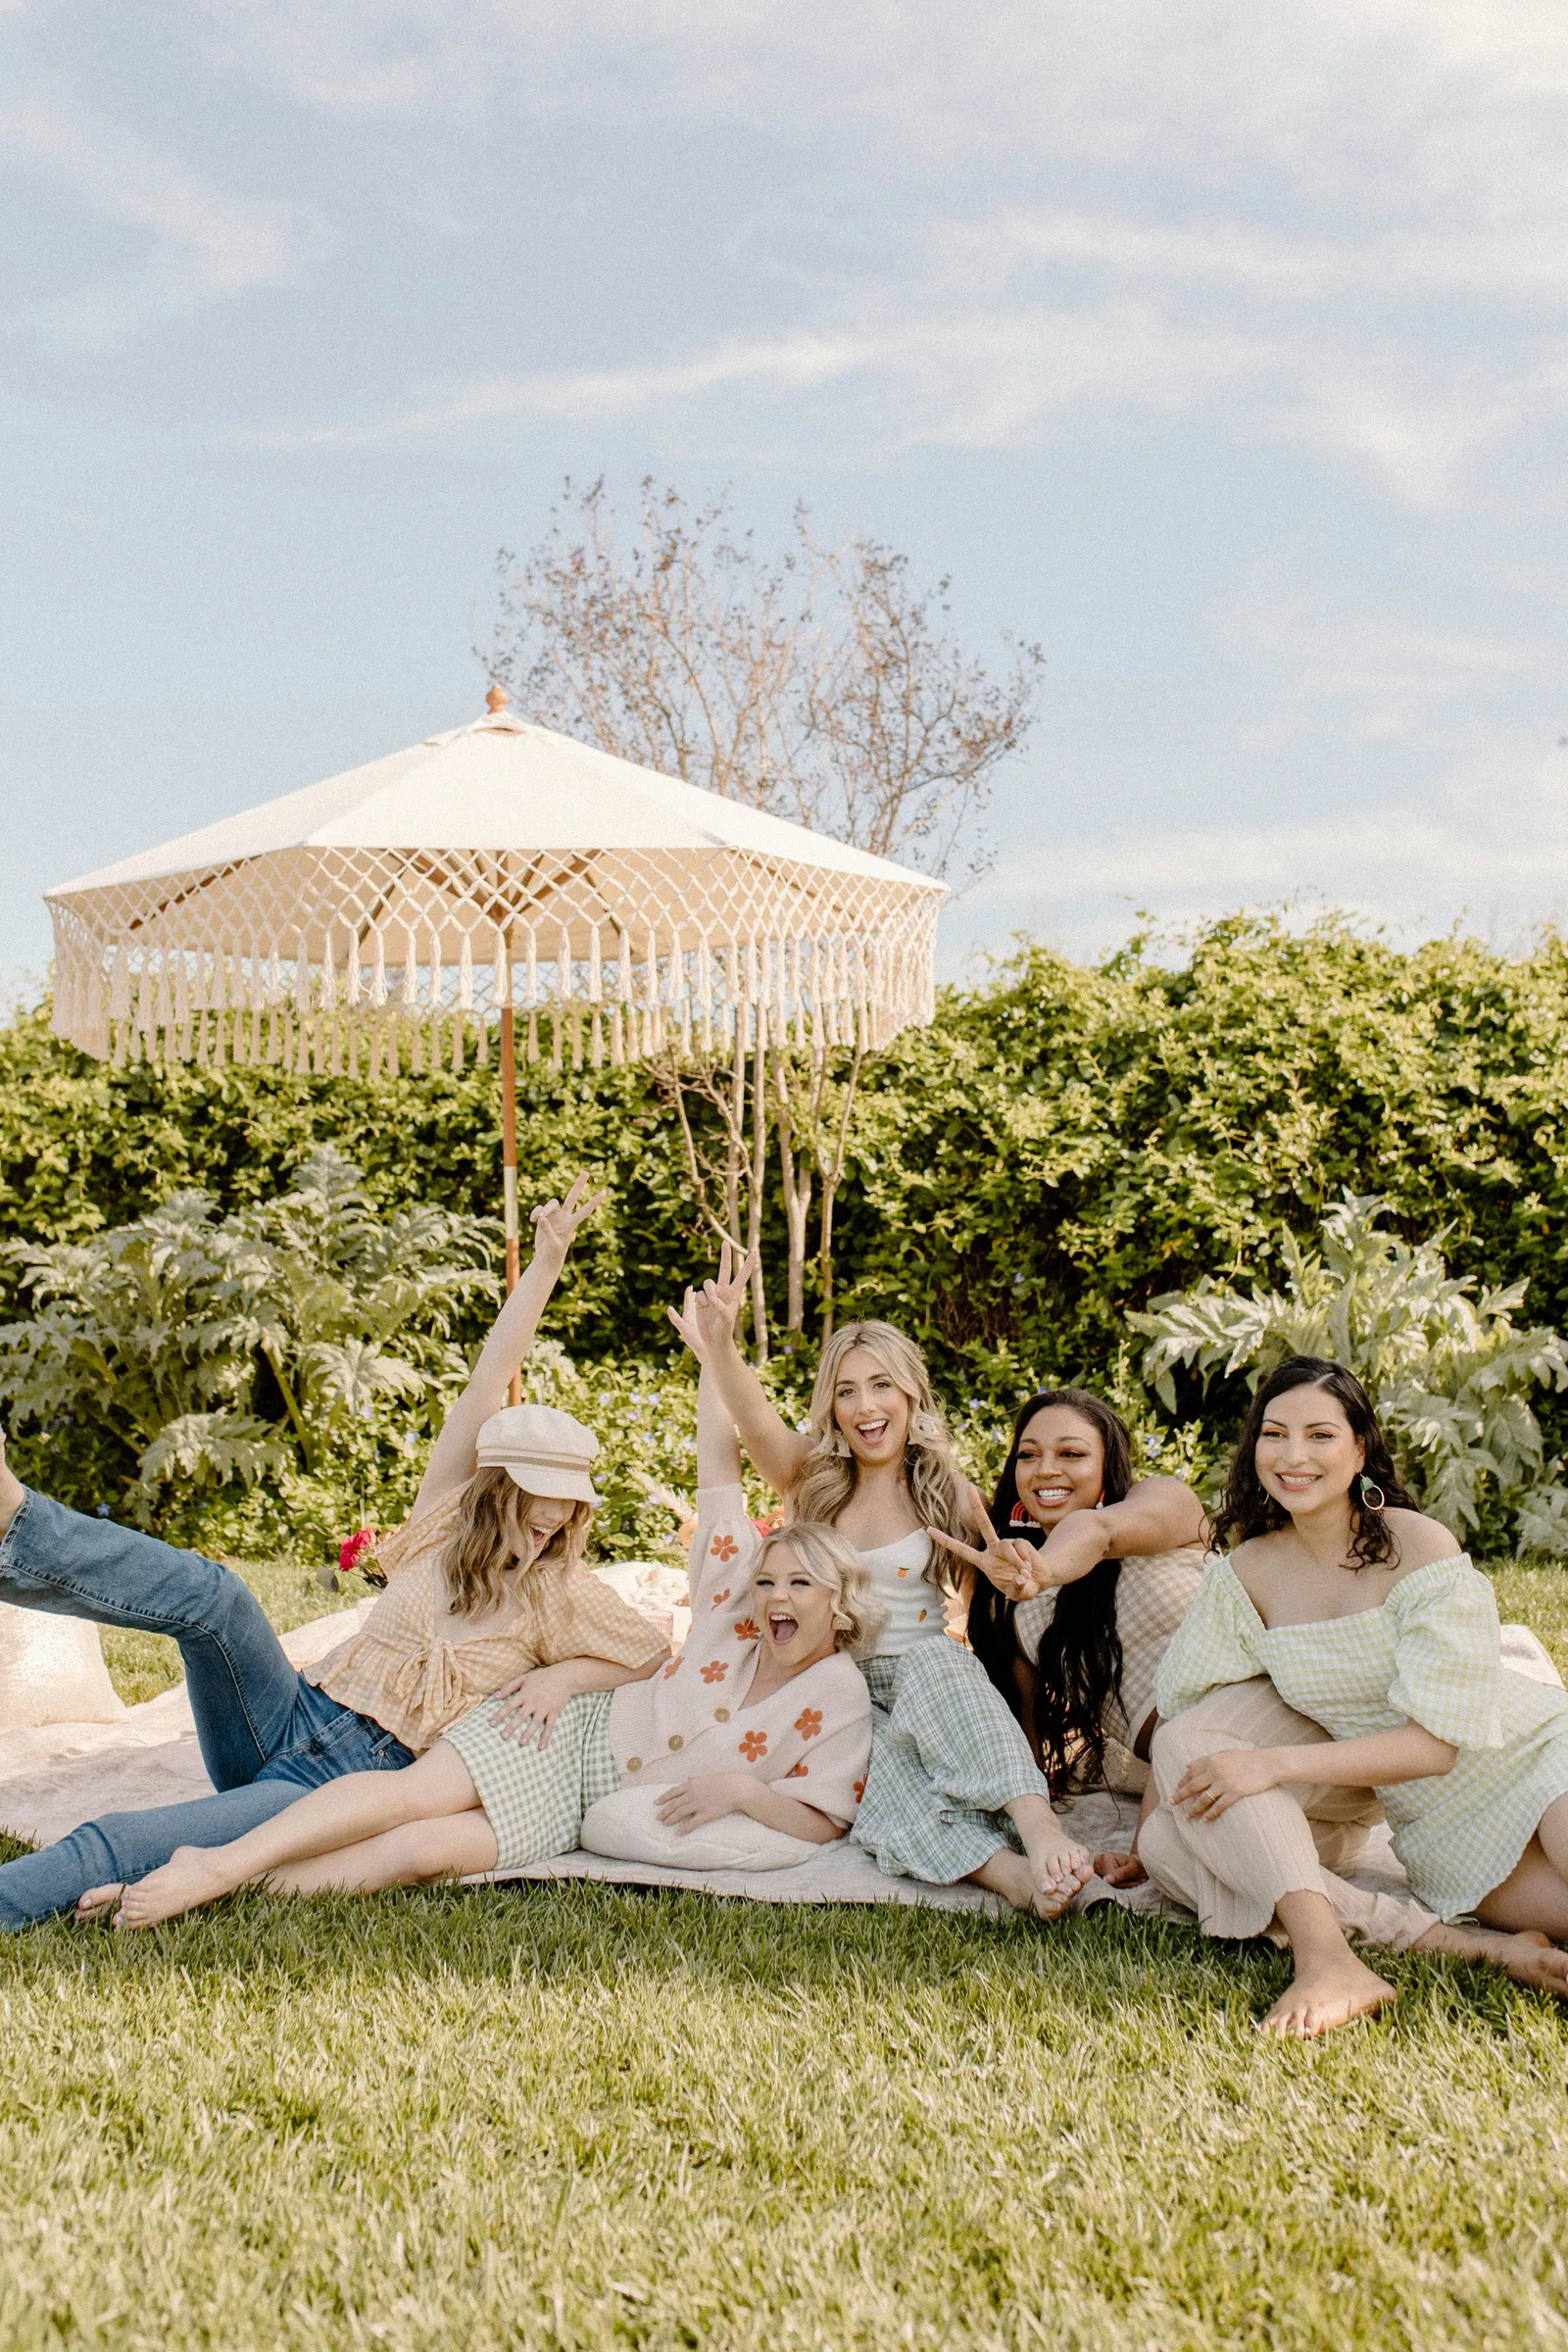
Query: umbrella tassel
[533, 1037]
[554, 1046]
[595, 1050]
[378, 970]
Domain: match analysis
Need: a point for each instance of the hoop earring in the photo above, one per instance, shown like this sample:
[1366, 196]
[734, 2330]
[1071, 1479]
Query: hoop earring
[1369, 1488]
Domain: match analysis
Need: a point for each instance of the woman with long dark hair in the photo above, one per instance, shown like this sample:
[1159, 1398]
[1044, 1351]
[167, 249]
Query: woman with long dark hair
[1076, 1661]
[1367, 1619]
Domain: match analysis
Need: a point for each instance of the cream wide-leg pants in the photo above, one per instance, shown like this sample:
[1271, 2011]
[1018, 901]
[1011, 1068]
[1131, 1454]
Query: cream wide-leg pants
[1291, 1840]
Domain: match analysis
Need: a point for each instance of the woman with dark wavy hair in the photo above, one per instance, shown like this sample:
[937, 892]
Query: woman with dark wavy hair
[1076, 1661]
[1367, 1619]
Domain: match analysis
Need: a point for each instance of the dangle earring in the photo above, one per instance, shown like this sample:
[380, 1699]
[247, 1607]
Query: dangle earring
[1020, 1517]
[924, 1427]
[1370, 1487]
[841, 1443]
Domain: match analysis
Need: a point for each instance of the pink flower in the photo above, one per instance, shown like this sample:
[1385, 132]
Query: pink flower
[353, 1552]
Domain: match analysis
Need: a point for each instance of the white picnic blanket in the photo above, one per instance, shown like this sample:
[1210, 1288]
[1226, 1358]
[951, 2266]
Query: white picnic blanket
[54, 1776]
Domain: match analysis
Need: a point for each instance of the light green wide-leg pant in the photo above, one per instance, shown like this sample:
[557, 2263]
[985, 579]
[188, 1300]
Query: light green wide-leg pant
[946, 1756]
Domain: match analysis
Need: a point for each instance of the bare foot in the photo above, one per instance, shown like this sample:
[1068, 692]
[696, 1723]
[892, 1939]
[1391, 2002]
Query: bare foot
[189, 1878]
[1532, 1958]
[1326, 1993]
[1056, 1879]
[99, 1899]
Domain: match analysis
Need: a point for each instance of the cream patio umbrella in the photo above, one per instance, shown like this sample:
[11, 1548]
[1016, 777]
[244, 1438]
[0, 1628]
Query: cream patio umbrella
[391, 918]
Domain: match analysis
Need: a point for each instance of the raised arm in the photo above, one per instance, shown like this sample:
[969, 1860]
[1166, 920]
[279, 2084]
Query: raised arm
[778, 1451]
[455, 1453]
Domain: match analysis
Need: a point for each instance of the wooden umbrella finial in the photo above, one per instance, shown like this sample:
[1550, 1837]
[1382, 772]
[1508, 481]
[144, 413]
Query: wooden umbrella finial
[496, 701]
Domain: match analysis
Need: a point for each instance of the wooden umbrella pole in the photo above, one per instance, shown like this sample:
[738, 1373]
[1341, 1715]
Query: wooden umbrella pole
[508, 1166]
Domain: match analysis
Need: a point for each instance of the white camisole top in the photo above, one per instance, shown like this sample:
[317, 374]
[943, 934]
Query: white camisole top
[913, 1606]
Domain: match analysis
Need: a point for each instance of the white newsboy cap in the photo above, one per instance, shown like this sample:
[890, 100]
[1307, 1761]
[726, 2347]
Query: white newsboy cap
[547, 1452]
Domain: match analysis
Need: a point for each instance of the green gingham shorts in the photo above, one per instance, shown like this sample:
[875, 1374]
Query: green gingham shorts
[533, 1800]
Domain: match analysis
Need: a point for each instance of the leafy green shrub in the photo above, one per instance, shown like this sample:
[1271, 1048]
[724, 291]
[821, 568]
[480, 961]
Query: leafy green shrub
[300, 1351]
[1450, 1373]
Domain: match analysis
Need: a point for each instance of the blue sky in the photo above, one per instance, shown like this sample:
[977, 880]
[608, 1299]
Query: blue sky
[1223, 350]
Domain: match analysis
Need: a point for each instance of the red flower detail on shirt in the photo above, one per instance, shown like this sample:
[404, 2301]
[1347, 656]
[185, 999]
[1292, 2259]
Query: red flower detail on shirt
[719, 1598]
[748, 1630]
[723, 1547]
[796, 1772]
[859, 1789]
[753, 1745]
[715, 1670]
[808, 1722]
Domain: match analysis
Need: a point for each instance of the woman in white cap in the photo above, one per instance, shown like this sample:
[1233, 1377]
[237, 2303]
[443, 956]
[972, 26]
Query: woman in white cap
[763, 1715]
[486, 1593]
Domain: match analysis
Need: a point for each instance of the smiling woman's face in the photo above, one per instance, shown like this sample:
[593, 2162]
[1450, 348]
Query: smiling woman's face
[793, 1610]
[871, 1409]
[1307, 1454]
[534, 1520]
[1061, 1465]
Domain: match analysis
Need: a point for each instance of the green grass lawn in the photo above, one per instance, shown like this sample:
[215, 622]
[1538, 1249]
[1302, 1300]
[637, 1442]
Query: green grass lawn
[573, 2116]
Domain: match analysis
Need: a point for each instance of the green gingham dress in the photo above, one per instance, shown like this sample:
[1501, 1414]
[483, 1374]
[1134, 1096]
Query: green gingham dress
[1428, 1655]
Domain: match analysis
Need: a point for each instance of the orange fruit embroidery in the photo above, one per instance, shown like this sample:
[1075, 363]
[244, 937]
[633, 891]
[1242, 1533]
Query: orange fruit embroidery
[808, 1722]
[748, 1629]
[796, 1772]
[723, 1547]
[903, 1572]
[753, 1745]
[715, 1670]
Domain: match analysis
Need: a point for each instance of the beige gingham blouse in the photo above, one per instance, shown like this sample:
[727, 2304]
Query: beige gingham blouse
[1153, 1594]
[1430, 1654]
[408, 1667]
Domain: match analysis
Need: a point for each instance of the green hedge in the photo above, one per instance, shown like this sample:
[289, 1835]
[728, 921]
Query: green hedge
[1060, 1143]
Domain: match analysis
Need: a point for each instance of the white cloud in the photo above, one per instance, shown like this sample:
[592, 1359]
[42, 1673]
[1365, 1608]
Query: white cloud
[198, 244]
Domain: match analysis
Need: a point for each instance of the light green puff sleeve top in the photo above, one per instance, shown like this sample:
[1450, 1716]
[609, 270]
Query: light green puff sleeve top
[1430, 1656]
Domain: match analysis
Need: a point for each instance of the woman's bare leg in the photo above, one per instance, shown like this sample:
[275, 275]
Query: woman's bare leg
[453, 1847]
[1534, 1893]
[345, 1812]
[1331, 1985]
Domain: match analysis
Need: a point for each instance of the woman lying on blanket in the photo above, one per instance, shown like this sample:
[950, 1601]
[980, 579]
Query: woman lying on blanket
[1079, 1664]
[955, 1791]
[487, 1592]
[763, 1714]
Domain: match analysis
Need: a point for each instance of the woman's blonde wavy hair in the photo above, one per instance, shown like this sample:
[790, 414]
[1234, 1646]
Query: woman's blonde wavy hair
[832, 1561]
[480, 1547]
[932, 1472]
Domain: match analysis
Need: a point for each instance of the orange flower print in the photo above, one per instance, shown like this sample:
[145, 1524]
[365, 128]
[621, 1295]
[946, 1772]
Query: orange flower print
[746, 1629]
[859, 1789]
[753, 1745]
[719, 1598]
[715, 1670]
[808, 1722]
[723, 1547]
[672, 1668]
[796, 1772]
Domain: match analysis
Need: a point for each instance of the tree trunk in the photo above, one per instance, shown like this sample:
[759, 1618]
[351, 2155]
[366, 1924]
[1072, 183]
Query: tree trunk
[832, 1173]
[795, 1173]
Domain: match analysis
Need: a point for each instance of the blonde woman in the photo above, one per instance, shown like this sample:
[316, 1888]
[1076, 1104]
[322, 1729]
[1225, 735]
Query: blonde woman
[487, 1592]
[955, 1791]
[763, 1714]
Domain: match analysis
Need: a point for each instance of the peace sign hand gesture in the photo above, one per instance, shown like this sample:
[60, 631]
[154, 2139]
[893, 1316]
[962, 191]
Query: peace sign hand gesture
[1012, 1567]
[706, 1319]
[557, 1222]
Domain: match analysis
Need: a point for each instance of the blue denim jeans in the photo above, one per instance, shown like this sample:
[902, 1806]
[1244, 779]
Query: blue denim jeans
[267, 1735]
